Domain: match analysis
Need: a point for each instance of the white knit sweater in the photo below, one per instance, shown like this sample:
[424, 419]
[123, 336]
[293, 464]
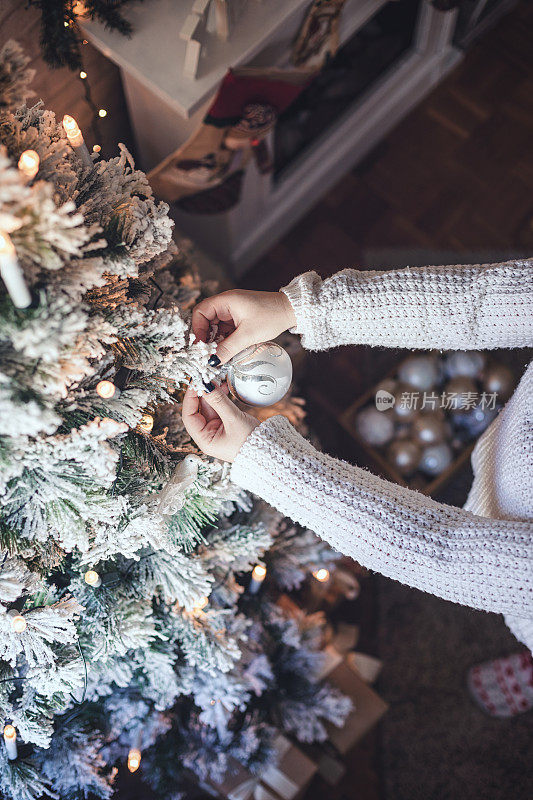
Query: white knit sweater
[481, 555]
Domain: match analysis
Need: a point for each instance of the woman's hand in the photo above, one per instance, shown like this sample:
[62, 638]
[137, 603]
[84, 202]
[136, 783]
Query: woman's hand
[242, 318]
[215, 423]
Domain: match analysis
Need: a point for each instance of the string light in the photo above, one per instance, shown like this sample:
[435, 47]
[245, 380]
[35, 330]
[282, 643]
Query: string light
[18, 623]
[102, 112]
[258, 576]
[10, 741]
[28, 163]
[66, 24]
[83, 75]
[321, 575]
[75, 139]
[96, 148]
[92, 578]
[12, 274]
[107, 390]
[200, 605]
[134, 759]
[146, 423]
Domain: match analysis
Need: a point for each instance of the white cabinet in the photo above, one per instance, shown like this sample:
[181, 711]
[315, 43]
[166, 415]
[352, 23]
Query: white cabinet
[166, 107]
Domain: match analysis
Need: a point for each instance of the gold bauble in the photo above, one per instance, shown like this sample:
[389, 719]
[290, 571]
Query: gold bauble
[429, 429]
[500, 380]
[460, 387]
[404, 455]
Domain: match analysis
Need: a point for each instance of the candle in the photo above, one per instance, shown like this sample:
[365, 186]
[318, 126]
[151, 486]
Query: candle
[10, 741]
[92, 578]
[134, 759]
[29, 163]
[12, 274]
[75, 139]
[258, 576]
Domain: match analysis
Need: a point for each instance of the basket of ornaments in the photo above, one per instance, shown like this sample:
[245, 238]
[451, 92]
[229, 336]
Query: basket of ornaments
[420, 423]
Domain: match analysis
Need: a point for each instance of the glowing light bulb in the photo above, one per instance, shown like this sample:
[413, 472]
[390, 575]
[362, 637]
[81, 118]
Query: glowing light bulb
[96, 148]
[72, 129]
[134, 759]
[200, 605]
[7, 247]
[83, 75]
[258, 576]
[66, 24]
[12, 274]
[18, 623]
[10, 741]
[107, 390]
[259, 572]
[92, 578]
[102, 113]
[29, 163]
[146, 423]
[321, 575]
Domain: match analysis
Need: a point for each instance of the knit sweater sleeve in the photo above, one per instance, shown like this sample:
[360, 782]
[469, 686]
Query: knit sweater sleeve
[455, 307]
[477, 561]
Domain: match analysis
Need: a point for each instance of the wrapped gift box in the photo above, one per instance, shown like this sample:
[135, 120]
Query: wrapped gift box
[368, 707]
[293, 772]
[367, 666]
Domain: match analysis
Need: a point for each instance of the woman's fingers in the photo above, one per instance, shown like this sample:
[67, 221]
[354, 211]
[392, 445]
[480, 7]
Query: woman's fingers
[239, 340]
[209, 312]
[193, 419]
[219, 401]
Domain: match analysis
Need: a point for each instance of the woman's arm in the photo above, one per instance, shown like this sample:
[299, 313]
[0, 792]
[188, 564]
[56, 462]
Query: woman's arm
[457, 307]
[477, 561]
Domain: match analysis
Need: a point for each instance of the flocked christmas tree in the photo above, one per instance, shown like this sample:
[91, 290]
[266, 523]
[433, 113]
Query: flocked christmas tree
[125, 631]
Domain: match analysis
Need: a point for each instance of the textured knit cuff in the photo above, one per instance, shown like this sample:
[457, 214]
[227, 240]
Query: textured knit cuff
[254, 468]
[299, 294]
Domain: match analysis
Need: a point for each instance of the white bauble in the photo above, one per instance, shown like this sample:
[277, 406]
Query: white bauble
[436, 458]
[374, 427]
[260, 375]
[467, 364]
[421, 372]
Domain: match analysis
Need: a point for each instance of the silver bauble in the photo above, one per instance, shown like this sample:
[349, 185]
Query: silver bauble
[465, 363]
[498, 379]
[374, 427]
[406, 403]
[429, 429]
[456, 393]
[260, 375]
[420, 372]
[436, 458]
[404, 456]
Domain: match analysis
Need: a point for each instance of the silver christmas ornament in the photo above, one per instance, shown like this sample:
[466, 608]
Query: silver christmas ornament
[467, 364]
[404, 455]
[374, 427]
[435, 459]
[420, 372]
[429, 429]
[260, 375]
[498, 379]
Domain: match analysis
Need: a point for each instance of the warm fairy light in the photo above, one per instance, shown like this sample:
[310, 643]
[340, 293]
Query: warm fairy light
[106, 389]
[200, 605]
[146, 423]
[72, 130]
[29, 163]
[321, 575]
[66, 24]
[83, 75]
[92, 578]
[85, 41]
[7, 248]
[10, 732]
[259, 572]
[134, 759]
[18, 623]
[102, 113]
[96, 148]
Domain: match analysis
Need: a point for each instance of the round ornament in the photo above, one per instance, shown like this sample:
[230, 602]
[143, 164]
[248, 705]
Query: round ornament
[374, 427]
[429, 429]
[420, 372]
[467, 364]
[460, 392]
[406, 402]
[498, 379]
[435, 459]
[404, 456]
[260, 375]
[472, 423]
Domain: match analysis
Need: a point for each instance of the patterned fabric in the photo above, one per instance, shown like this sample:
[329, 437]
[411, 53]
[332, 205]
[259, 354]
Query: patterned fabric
[503, 687]
[482, 555]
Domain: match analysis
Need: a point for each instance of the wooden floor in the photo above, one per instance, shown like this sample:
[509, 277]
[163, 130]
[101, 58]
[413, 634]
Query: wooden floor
[454, 178]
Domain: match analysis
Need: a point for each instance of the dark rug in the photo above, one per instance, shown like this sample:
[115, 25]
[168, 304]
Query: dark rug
[436, 743]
